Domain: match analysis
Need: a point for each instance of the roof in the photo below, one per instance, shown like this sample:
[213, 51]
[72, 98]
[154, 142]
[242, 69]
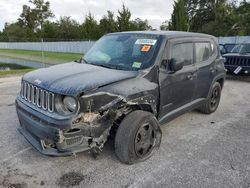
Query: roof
[168, 34]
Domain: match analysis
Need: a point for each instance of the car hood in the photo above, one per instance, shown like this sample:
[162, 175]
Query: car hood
[74, 78]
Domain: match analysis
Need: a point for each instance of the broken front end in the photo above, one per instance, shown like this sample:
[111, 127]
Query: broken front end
[64, 125]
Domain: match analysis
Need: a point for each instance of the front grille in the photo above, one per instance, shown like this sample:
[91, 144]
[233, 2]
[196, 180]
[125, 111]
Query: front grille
[37, 96]
[239, 61]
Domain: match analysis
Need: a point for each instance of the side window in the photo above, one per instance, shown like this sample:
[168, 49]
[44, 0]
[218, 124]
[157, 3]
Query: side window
[183, 51]
[203, 51]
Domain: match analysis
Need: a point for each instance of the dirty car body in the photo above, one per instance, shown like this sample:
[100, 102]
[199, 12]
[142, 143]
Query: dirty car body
[73, 107]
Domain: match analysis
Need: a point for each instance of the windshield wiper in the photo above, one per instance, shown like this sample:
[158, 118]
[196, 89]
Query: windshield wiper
[109, 66]
[78, 60]
[82, 60]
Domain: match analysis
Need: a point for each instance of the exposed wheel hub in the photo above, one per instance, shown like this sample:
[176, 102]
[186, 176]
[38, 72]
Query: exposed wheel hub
[145, 140]
[215, 97]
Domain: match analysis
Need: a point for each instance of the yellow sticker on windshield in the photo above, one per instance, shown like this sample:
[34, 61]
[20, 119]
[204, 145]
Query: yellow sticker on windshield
[136, 64]
[145, 48]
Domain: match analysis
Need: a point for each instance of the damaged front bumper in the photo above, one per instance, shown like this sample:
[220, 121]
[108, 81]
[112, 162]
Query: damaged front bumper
[54, 136]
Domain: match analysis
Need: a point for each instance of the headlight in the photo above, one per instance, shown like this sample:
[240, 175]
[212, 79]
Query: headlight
[69, 103]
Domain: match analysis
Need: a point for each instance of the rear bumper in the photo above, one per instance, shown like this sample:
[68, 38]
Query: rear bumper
[49, 138]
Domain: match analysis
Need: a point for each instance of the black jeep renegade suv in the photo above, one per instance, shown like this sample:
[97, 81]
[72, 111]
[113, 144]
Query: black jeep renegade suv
[127, 85]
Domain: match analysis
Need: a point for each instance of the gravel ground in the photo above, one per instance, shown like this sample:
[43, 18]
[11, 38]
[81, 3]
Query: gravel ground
[197, 150]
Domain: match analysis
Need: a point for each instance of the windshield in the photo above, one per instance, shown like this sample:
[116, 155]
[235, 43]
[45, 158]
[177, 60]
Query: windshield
[241, 48]
[124, 51]
[229, 47]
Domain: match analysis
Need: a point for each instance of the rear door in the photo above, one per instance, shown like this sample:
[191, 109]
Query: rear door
[177, 89]
[205, 56]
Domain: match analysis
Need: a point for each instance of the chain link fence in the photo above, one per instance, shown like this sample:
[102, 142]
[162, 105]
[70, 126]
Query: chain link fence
[67, 47]
[38, 53]
[234, 39]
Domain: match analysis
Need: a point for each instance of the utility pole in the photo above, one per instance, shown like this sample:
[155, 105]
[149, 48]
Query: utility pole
[42, 52]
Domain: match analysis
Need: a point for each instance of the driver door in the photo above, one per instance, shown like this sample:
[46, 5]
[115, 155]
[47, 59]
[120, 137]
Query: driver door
[177, 88]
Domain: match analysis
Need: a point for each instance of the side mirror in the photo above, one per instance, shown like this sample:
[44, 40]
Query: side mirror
[176, 65]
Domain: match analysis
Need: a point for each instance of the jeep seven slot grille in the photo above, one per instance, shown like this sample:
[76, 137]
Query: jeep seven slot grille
[239, 61]
[37, 96]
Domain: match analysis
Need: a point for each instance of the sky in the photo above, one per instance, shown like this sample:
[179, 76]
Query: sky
[155, 11]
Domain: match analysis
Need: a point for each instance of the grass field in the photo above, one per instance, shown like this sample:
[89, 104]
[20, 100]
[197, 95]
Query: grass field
[38, 56]
[15, 72]
[14, 69]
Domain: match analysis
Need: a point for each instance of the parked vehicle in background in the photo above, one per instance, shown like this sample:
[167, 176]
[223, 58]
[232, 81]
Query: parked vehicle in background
[229, 46]
[238, 60]
[127, 85]
[226, 48]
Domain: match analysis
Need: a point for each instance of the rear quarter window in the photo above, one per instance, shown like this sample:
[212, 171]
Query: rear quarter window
[183, 51]
[203, 51]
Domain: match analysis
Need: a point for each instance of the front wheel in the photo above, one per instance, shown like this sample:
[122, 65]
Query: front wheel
[213, 100]
[137, 137]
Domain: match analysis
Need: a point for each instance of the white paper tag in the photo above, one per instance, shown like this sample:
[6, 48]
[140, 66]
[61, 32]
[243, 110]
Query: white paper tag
[146, 41]
[237, 70]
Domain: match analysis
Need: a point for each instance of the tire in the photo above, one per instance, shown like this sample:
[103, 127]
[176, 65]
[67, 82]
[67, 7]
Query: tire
[213, 99]
[138, 129]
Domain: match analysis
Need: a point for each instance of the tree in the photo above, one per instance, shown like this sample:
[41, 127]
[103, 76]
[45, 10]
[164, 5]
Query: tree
[68, 28]
[206, 15]
[108, 23]
[179, 17]
[50, 30]
[123, 19]
[243, 13]
[27, 18]
[34, 23]
[15, 32]
[3, 36]
[140, 25]
[42, 11]
[35, 17]
[224, 22]
[164, 26]
[89, 28]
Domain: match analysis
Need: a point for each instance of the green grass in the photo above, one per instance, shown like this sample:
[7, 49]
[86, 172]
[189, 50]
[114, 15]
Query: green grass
[13, 66]
[38, 56]
[15, 72]
[14, 69]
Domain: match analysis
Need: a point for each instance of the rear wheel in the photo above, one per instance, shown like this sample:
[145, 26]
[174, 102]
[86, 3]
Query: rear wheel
[137, 137]
[213, 100]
